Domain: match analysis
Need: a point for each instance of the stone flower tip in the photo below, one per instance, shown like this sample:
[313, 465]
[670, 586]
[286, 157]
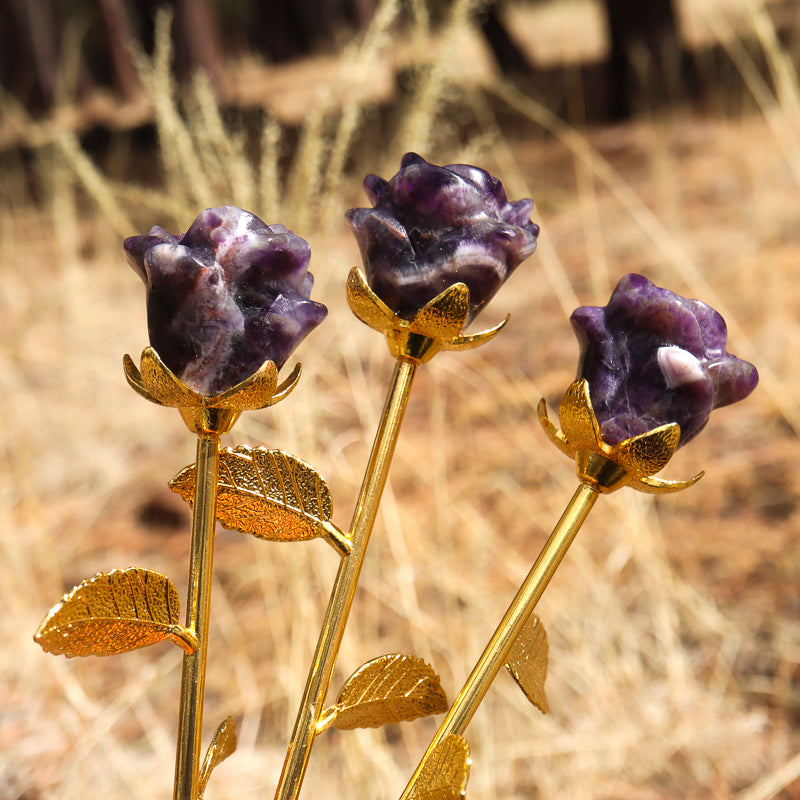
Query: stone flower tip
[652, 357]
[431, 227]
[225, 297]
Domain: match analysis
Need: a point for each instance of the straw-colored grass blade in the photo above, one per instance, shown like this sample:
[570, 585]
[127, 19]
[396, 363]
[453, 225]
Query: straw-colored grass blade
[115, 612]
[445, 773]
[269, 494]
[388, 689]
[527, 662]
[222, 745]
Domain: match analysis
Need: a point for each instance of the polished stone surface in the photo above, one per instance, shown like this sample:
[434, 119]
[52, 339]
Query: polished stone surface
[435, 226]
[225, 297]
[652, 357]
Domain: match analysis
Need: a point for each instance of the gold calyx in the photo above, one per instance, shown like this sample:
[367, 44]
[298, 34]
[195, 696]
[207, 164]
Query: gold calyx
[436, 326]
[609, 467]
[217, 414]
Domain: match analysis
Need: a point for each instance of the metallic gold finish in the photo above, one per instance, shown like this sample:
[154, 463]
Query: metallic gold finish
[387, 689]
[157, 383]
[445, 774]
[527, 662]
[632, 462]
[222, 745]
[198, 606]
[437, 326]
[344, 588]
[497, 651]
[115, 612]
[270, 494]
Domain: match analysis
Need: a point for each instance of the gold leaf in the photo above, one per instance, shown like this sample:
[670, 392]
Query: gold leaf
[270, 494]
[115, 612]
[222, 745]
[390, 688]
[527, 662]
[445, 772]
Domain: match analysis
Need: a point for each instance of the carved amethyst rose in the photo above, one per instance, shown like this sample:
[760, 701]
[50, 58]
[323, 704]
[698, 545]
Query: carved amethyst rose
[652, 357]
[434, 226]
[225, 297]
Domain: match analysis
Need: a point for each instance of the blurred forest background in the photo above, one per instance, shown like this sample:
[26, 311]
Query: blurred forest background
[661, 138]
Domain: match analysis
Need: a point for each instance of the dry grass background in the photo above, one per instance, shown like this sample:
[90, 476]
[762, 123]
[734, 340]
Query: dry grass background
[673, 622]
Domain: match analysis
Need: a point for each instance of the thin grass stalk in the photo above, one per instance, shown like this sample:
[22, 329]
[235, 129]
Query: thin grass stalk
[268, 188]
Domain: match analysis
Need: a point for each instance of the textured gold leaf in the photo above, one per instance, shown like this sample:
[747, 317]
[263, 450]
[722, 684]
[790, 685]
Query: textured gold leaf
[445, 772]
[527, 662]
[115, 612]
[222, 745]
[390, 688]
[268, 493]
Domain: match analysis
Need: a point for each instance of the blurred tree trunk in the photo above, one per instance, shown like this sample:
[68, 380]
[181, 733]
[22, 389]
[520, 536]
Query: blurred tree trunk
[119, 32]
[29, 55]
[646, 54]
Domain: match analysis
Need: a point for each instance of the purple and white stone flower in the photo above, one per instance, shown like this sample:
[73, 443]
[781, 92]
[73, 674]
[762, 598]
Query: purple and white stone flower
[225, 297]
[652, 357]
[432, 226]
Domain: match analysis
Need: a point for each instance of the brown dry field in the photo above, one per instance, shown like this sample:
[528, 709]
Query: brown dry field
[674, 622]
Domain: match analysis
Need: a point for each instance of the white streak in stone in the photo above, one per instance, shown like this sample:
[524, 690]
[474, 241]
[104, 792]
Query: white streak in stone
[678, 366]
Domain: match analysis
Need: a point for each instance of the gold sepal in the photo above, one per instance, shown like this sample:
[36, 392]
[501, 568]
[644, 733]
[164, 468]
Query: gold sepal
[388, 689]
[115, 612]
[154, 381]
[270, 494]
[222, 745]
[632, 462]
[528, 660]
[445, 773]
[436, 326]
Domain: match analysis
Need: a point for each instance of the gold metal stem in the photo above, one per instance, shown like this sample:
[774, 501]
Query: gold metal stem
[496, 652]
[198, 603]
[344, 588]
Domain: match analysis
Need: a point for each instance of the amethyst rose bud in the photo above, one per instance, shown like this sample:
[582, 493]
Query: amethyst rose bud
[434, 226]
[225, 297]
[652, 357]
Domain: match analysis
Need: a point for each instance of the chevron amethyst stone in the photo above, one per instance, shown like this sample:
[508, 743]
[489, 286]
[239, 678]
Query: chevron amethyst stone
[434, 226]
[652, 357]
[225, 297]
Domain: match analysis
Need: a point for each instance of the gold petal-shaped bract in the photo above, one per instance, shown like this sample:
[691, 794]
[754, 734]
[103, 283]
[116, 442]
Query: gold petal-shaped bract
[366, 305]
[443, 317]
[252, 393]
[576, 416]
[222, 745]
[134, 378]
[476, 339]
[285, 388]
[164, 385]
[657, 486]
[115, 612]
[553, 433]
[527, 662]
[445, 772]
[270, 494]
[390, 688]
[649, 452]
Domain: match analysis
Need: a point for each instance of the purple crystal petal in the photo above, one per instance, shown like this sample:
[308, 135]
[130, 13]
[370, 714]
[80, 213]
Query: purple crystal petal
[225, 297]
